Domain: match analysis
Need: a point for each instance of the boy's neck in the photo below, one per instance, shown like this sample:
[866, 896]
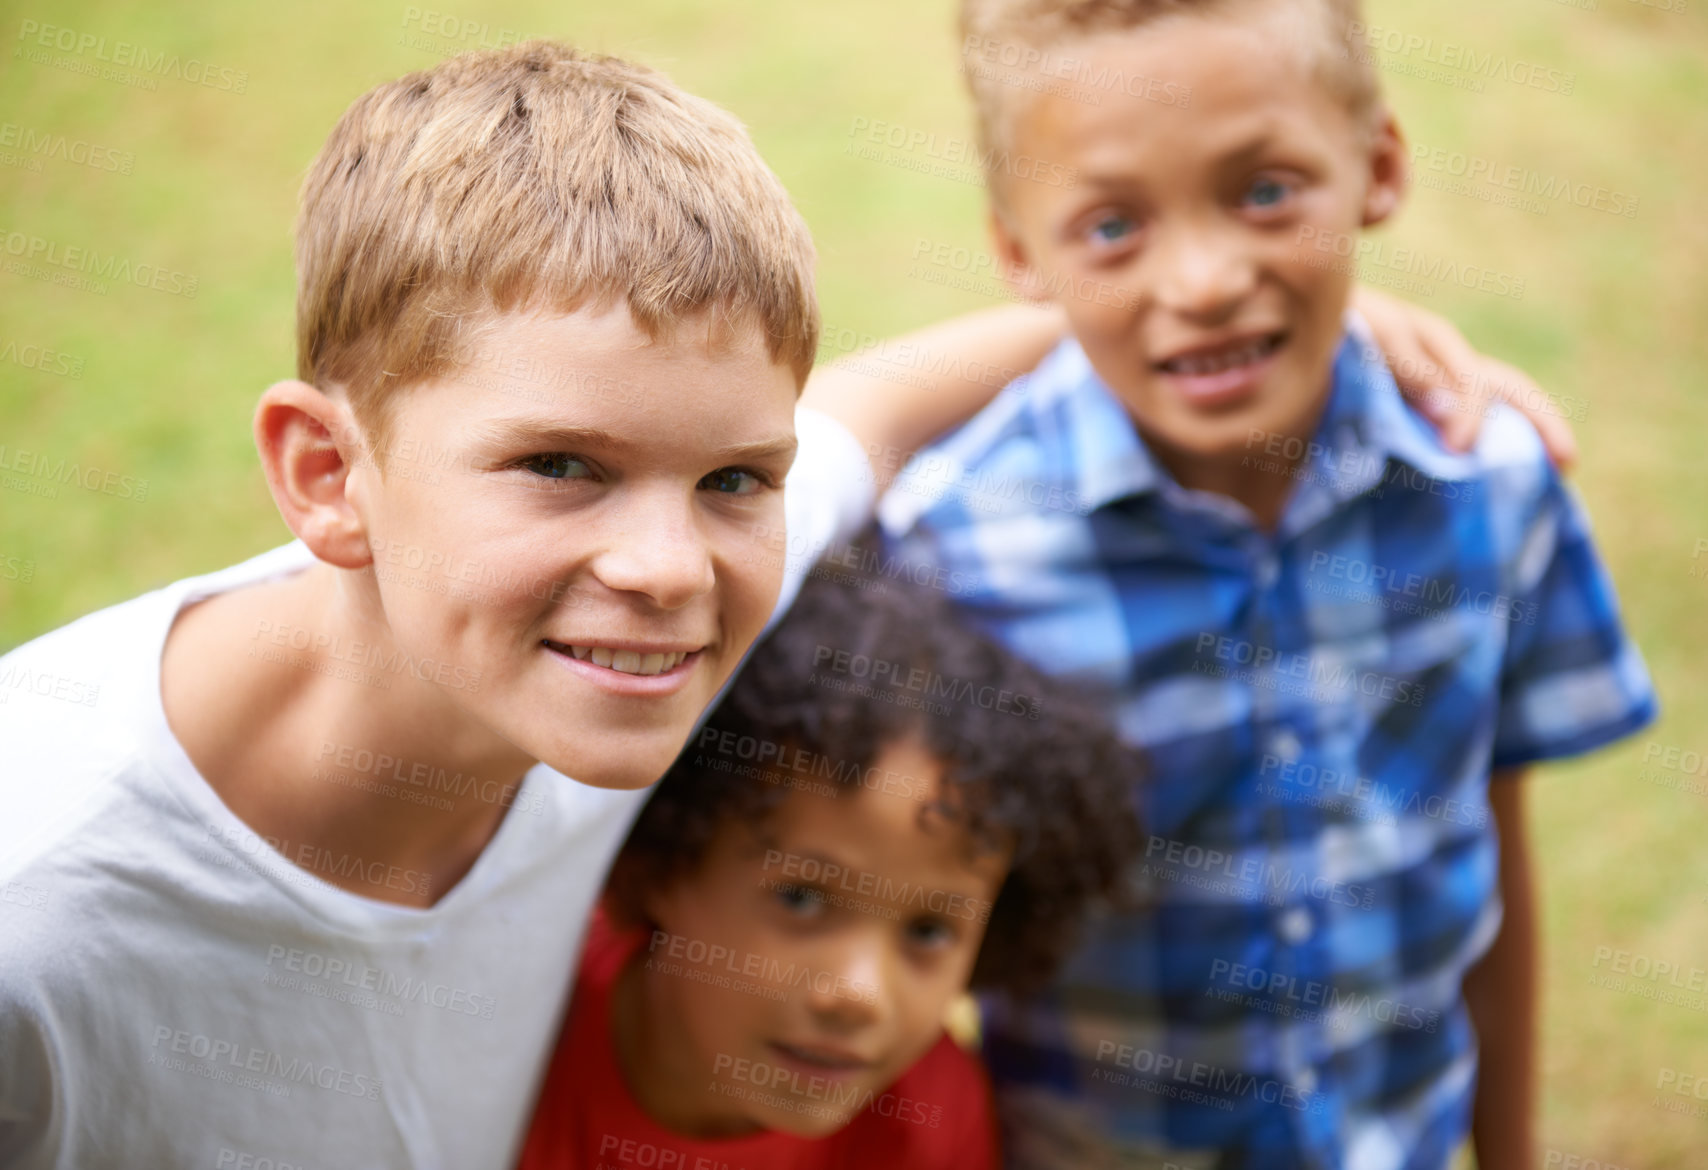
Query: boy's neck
[1263, 484]
[1263, 493]
[324, 767]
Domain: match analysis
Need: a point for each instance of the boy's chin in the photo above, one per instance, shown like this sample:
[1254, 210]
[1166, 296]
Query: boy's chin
[1218, 440]
[810, 1123]
[625, 767]
[1251, 429]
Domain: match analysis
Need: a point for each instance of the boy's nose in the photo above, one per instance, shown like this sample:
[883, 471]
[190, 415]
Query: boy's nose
[1204, 273]
[851, 992]
[656, 548]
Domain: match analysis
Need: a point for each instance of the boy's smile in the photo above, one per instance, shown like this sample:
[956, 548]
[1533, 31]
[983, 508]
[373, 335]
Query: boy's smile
[1176, 254]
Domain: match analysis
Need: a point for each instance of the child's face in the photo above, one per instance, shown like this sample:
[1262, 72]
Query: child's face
[565, 517]
[1192, 293]
[799, 973]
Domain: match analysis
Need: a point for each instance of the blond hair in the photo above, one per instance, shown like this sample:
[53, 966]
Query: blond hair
[1024, 30]
[535, 178]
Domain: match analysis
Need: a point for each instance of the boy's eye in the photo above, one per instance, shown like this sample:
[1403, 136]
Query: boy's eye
[556, 465]
[930, 932]
[1266, 193]
[801, 901]
[734, 481]
[1111, 229]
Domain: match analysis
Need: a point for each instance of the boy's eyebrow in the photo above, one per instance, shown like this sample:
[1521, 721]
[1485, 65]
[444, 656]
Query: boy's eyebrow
[838, 868]
[1248, 149]
[546, 434]
[1240, 153]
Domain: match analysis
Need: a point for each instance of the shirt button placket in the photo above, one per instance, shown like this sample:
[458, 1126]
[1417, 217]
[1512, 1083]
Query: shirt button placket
[1285, 745]
[1293, 925]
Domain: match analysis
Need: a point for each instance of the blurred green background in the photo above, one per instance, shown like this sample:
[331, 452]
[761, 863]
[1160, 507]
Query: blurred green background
[139, 383]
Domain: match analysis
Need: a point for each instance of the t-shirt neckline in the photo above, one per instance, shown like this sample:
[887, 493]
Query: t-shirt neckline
[180, 776]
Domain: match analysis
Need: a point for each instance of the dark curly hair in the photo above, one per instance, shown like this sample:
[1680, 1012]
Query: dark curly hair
[864, 661]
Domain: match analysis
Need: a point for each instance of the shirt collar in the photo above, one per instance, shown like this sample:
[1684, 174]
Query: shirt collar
[1367, 404]
[1102, 449]
[1365, 423]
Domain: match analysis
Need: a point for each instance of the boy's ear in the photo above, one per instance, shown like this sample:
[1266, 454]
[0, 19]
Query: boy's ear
[309, 442]
[1390, 173]
[1017, 270]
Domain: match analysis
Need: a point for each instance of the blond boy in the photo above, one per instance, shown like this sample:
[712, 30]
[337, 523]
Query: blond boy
[307, 879]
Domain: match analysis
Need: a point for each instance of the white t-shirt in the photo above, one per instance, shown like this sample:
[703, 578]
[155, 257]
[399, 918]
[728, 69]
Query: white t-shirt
[175, 993]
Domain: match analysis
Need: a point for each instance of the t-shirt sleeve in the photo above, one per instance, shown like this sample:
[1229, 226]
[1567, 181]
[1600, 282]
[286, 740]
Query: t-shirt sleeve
[1571, 680]
[28, 1085]
[829, 496]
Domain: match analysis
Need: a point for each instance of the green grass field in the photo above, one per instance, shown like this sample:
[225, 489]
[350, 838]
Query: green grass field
[144, 385]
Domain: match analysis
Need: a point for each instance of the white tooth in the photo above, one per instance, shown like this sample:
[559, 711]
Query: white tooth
[627, 661]
[652, 664]
[601, 656]
[579, 651]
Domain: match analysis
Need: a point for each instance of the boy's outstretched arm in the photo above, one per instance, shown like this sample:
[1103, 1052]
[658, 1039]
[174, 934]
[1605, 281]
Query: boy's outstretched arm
[1501, 992]
[902, 393]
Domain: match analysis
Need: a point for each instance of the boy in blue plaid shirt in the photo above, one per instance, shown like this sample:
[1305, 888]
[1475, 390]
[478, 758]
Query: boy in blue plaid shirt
[1341, 643]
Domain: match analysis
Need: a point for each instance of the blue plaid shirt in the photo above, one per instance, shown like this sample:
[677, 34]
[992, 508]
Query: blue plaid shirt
[1321, 707]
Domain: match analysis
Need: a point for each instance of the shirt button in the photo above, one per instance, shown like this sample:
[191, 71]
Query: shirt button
[1268, 570]
[1285, 744]
[1295, 925]
[1306, 1081]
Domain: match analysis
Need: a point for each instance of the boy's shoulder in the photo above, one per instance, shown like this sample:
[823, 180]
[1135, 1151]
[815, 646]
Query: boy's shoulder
[1507, 444]
[73, 716]
[1517, 481]
[1507, 480]
[77, 704]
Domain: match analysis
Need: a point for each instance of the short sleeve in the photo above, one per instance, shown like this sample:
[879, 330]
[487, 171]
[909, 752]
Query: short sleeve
[829, 496]
[1571, 679]
[28, 1085]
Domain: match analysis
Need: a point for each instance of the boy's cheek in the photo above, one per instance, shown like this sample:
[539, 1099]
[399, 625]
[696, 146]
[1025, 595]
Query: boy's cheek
[750, 572]
[1108, 335]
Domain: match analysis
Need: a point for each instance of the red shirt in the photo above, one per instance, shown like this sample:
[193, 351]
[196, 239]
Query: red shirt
[936, 1115]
